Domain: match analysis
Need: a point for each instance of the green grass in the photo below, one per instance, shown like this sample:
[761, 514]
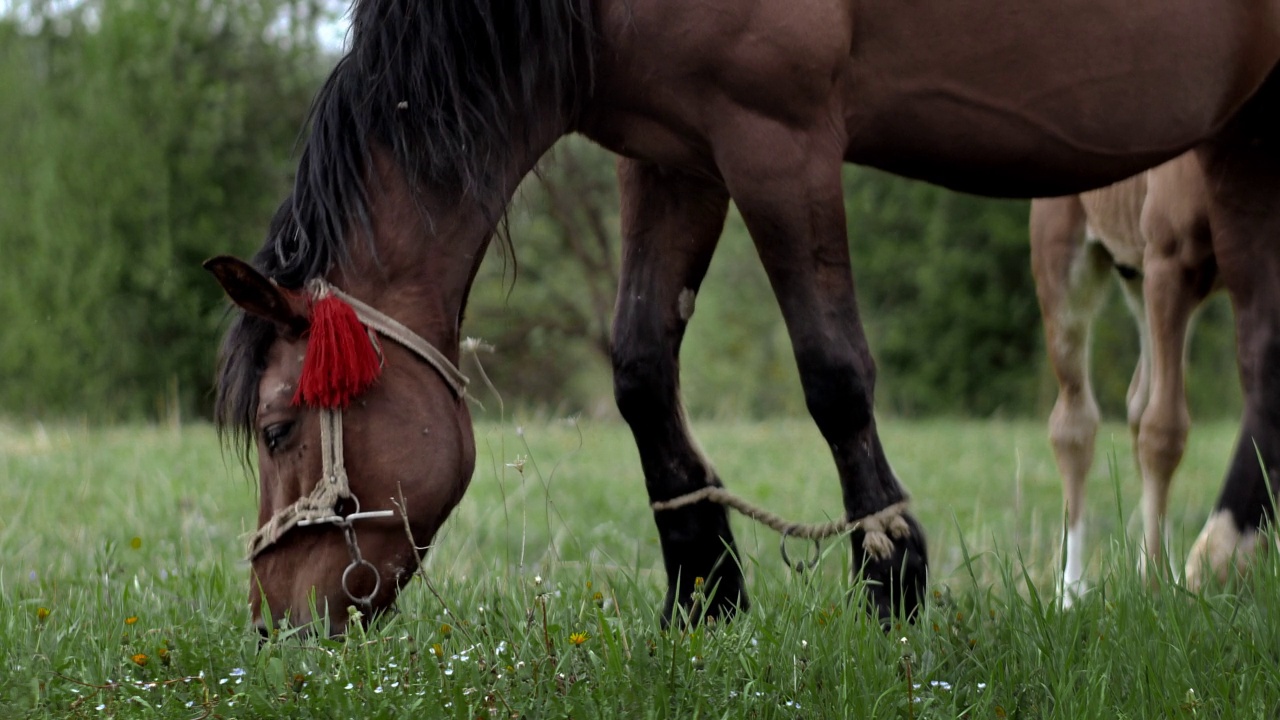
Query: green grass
[554, 538]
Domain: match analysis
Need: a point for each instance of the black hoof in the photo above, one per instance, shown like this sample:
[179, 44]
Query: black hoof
[895, 585]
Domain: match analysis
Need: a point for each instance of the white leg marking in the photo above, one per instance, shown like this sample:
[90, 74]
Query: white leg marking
[1073, 584]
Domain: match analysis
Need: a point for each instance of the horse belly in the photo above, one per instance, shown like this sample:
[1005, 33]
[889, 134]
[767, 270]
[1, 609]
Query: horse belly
[1010, 98]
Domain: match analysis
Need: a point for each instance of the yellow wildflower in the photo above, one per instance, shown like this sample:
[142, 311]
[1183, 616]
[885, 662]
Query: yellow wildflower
[578, 638]
[140, 660]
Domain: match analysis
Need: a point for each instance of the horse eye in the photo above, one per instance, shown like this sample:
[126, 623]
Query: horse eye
[275, 434]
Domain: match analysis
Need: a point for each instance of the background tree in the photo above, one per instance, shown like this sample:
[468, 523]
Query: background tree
[140, 138]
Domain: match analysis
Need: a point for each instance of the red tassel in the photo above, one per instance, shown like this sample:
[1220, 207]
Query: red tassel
[341, 360]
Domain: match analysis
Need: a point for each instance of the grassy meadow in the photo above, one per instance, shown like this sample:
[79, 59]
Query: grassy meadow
[122, 593]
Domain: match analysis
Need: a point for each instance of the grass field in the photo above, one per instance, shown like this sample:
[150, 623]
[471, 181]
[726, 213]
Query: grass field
[122, 595]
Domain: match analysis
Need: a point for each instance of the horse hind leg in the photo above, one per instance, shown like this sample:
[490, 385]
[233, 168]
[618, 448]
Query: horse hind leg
[1178, 273]
[792, 203]
[1139, 392]
[670, 224]
[1071, 283]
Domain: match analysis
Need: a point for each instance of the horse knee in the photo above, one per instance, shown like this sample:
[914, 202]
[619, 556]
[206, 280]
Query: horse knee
[1162, 442]
[644, 384]
[838, 391]
[1073, 424]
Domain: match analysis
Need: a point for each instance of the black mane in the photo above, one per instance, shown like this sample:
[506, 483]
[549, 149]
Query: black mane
[445, 86]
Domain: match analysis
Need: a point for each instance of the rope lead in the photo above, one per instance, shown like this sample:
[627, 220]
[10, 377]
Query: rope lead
[880, 527]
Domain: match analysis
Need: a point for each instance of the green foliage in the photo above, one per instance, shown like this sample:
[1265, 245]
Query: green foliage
[947, 296]
[141, 137]
[545, 302]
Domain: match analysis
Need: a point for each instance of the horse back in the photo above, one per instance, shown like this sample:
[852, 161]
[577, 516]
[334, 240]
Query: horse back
[1013, 98]
[999, 97]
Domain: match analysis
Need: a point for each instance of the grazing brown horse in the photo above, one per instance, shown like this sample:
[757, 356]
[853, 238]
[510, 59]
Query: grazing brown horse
[424, 129]
[1153, 230]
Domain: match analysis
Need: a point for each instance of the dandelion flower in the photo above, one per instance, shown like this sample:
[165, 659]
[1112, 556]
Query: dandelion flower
[42, 613]
[578, 638]
[140, 660]
[446, 629]
[135, 543]
[131, 620]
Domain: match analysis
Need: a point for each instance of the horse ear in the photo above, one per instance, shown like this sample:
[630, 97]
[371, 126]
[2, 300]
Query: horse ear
[258, 295]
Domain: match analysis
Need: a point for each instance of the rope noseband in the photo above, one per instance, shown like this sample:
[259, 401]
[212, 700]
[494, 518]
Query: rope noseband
[321, 505]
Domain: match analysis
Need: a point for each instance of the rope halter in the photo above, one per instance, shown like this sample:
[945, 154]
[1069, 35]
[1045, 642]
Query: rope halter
[335, 314]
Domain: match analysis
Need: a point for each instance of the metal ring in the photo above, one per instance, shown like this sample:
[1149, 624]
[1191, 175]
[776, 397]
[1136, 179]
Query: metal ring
[802, 566]
[377, 582]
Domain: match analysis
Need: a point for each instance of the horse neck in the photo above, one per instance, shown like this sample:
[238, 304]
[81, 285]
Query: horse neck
[427, 246]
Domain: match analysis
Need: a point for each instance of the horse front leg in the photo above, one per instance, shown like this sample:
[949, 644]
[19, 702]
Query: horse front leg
[1178, 273]
[671, 223]
[793, 204]
[1071, 283]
